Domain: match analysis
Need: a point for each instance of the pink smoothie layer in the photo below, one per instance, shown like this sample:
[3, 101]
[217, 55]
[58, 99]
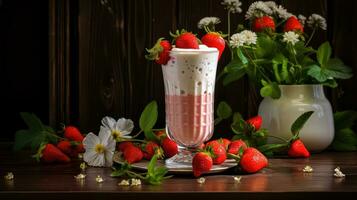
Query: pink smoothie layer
[189, 118]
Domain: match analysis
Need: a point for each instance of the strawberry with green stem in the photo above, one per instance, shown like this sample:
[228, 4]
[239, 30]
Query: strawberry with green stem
[202, 163]
[185, 40]
[160, 52]
[214, 39]
[49, 153]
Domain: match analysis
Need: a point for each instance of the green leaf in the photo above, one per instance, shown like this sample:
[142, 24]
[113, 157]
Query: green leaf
[242, 56]
[32, 121]
[38, 140]
[148, 117]
[266, 47]
[330, 83]
[150, 136]
[238, 125]
[271, 147]
[346, 136]
[344, 119]
[23, 139]
[233, 76]
[122, 170]
[340, 146]
[270, 90]
[300, 122]
[324, 54]
[317, 73]
[155, 175]
[224, 111]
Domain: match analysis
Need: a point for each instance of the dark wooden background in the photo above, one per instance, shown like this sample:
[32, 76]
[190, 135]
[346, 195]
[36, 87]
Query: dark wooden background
[75, 61]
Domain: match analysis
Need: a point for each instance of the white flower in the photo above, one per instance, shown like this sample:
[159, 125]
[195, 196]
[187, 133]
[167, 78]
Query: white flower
[250, 37]
[99, 179]
[208, 21]
[282, 12]
[237, 40]
[291, 37]
[316, 20]
[124, 183]
[119, 129]
[201, 180]
[99, 150]
[338, 173]
[232, 5]
[258, 9]
[302, 19]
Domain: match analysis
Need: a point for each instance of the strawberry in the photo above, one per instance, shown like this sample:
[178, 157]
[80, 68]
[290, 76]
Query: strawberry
[218, 151]
[214, 39]
[252, 160]
[150, 149]
[72, 133]
[235, 146]
[201, 163]
[170, 147]
[225, 142]
[49, 153]
[185, 40]
[262, 23]
[80, 148]
[160, 134]
[133, 154]
[123, 145]
[160, 52]
[256, 122]
[293, 24]
[298, 150]
[68, 148]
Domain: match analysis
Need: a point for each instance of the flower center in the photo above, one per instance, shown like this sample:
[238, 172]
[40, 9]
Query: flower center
[99, 148]
[116, 134]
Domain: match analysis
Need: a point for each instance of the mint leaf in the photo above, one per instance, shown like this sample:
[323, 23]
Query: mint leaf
[224, 111]
[155, 175]
[148, 117]
[324, 54]
[32, 121]
[270, 90]
[300, 122]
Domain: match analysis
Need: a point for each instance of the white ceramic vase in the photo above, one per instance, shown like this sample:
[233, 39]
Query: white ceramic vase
[279, 114]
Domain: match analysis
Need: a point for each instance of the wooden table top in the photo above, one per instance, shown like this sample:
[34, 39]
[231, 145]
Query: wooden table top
[282, 179]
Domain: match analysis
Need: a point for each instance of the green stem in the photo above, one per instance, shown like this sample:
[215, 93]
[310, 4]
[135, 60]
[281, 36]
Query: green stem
[158, 129]
[277, 137]
[257, 66]
[312, 34]
[133, 174]
[133, 140]
[136, 135]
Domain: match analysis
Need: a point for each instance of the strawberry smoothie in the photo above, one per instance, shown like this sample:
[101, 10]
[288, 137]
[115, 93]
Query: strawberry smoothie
[189, 79]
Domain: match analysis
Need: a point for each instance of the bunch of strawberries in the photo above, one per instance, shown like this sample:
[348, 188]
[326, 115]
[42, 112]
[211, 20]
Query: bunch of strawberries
[266, 22]
[69, 147]
[185, 40]
[135, 152]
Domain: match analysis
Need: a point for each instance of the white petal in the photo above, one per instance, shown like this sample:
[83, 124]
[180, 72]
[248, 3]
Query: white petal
[110, 145]
[104, 135]
[94, 159]
[124, 125]
[108, 158]
[108, 122]
[90, 141]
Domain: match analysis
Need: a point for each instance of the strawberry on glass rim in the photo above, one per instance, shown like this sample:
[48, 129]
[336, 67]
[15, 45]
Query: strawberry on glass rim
[160, 52]
[185, 40]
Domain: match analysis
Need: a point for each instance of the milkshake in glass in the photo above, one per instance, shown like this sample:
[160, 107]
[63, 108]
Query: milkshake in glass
[189, 79]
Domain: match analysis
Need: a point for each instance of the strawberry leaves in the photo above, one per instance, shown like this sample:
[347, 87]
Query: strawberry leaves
[300, 122]
[148, 120]
[224, 111]
[154, 175]
[36, 134]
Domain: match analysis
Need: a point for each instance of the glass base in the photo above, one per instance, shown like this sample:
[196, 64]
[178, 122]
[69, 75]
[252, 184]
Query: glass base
[182, 160]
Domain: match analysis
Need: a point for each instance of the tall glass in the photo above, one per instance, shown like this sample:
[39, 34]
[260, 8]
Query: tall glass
[189, 79]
